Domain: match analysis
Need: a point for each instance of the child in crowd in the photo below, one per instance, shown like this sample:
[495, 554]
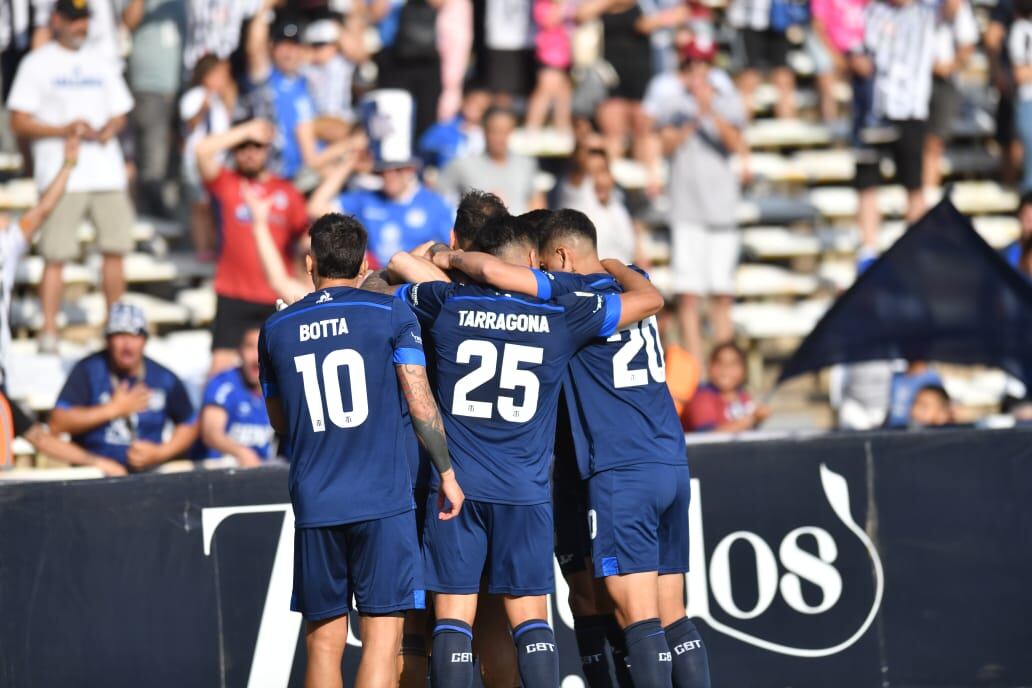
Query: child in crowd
[553, 51]
[931, 408]
[722, 404]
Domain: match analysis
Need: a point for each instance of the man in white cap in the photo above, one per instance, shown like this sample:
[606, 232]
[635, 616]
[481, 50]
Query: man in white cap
[117, 402]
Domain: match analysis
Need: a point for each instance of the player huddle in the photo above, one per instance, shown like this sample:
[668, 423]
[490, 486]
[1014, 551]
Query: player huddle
[421, 421]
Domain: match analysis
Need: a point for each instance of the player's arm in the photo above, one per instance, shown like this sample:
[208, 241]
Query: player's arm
[640, 299]
[209, 149]
[285, 286]
[33, 218]
[76, 419]
[213, 435]
[277, 419]
[426, 420]
[405, 266]
[43, 441]
[488, 269]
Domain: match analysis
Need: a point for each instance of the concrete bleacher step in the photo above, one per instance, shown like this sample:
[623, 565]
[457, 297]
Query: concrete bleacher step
[778, 320]
[787, 133]
[545, 143]
[971, 198]
[199, 303]
[35, 379]
[775, 210]
[91, 310]
[753, 280]
[188, 267]
[18, 194]
[141, 268]
[30, 272]
[142, 231]
[839, 165]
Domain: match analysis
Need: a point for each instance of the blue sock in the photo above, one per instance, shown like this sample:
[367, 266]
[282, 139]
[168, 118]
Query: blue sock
[451, 664]
[536, 654]
[648, 654]
[691, 663]
[618, 646]
[594, 656]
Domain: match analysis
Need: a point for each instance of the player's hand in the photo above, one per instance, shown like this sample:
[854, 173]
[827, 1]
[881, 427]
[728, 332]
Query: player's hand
[761, 414]
[259, 205]
[260, 130]
[71, 150]
[143, 454]
[423, 250]
[77, 128]
[111, 469]
[442, 259]
[126, 400]
[248, 458]
[451, 493]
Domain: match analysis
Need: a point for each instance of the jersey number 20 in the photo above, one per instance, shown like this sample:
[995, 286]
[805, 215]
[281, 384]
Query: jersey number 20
[512, 377]
[331, 365]
[642, 334]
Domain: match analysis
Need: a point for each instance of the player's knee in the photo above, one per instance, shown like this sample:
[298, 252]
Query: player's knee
[326, 638]
[536, 654]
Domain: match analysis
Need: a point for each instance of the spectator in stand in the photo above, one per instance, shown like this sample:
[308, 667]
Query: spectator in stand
[155, 66]
[955, 41]
[214, 27]
[504, 47]
[722, 404]
[618, 236]
[762, 47]
[589, 154]
[838, 26]
[508, 176]
[904, 386]
[701, 117]
[1013, 252]
[553, 52]
[412, 61]
[1025, 261]
[458, 137]
[204, 109]
[1019, 45]
[335, 47]
[107, 21]
[65, 89]
[1001, 76]
[117, 402]
[899, 43]
[455, 45]
[234, 421]
[932, 408]
[244, 297]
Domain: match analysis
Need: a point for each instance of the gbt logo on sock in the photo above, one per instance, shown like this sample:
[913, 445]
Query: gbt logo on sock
[687, 646]
[540, 647]
[462, 657]
[665, 657]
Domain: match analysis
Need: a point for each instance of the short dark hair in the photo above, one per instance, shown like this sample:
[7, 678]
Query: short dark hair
[499, 110]
[728, 346]
[937, 390]
[500, 233]
[536, 220]
[1026, 199]
[475, 210]
[338, 245]
[568, 223]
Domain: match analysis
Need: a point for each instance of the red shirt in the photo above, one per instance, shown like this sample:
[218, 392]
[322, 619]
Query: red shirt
[707, 409]
[238, 272]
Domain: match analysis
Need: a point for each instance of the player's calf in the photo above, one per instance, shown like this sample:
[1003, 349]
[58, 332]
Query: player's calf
[381, 642]
[648, 654]
[324, 644]
[537, 655]
[688, 655]
[451, 661]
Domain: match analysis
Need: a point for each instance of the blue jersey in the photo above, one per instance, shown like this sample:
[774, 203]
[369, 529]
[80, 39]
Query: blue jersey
[247, 421]
[330, 359]
[499, 365]
[284, 101]
[399, 225]
[443, 142]
[621, 411]
[91, 383]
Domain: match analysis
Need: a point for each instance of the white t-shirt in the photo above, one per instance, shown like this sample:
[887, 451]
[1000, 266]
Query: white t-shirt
[12, 248]
[509, 25]
[1019, 45]
[58, 86]
[215, 121]
[613, 226]
[950, 35]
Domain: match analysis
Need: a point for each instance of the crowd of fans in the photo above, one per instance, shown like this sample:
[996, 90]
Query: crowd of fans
[246, 118]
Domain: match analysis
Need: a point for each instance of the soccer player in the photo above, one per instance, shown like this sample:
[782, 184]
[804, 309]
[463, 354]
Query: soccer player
[335, 367]
[630, 449]
[499, 364]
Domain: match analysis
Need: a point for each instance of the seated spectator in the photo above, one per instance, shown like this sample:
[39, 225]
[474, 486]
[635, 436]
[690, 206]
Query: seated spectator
[722, 404]
[234, 421]
[589, 154]
[1012, 252]
[244, 298]
[701, 117]
[334, 48]
[618, 235]
[117, 402]
[204, 109]
[763, 46]
[931, 408]
[508, 176]
[24, 425]
[458, 137]
[903, 388]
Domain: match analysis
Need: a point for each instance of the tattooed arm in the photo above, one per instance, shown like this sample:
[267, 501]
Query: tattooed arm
[377, 281]
[426, 420]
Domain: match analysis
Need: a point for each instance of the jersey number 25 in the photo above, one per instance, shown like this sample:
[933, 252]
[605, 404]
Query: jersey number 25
[347, 358]
[512, 376]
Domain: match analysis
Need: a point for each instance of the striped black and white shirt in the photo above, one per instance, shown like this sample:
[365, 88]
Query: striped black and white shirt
[1019, 47]
[214, 26]
[749, 14]
[901, 41]
[19, 18]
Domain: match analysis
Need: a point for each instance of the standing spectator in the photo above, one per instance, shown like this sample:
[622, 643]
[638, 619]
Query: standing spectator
[701, 117]
[458, 137]
[575, 187]
[412, 62]
[722, 404]
[618, 236]
[335, 48]
[214, 27]
[204, 109]
[955, 41]
[66, 89]
[455, 44]
[505, 58]
[107, 21]
[762, 47]
[899, 42]
[1001, 76]
[117, 402]
[1019, 45]
[508, 176]
[155, 68]
[838, 27]
[234, 421]
[244, 297]
[553, 51]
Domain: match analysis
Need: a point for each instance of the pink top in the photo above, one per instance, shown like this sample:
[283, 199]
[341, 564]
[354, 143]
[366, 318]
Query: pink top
[843, 20]
[553, 37]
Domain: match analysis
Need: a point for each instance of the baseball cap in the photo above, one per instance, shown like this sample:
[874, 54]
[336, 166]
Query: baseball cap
[126, 318]
[286, 30]
[322, 31]
[73, 9]
[699, 48]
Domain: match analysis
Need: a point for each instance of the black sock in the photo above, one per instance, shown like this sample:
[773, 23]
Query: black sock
[591, 641]
[451, 664]
[691, 663]
[649, 654]
[536, 654]
[618, 645]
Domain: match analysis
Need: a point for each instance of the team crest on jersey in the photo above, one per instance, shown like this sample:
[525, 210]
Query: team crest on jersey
[415, 217]
[324, 297]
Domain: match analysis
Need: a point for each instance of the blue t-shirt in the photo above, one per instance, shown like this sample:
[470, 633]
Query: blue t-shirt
[1012, 253]
[399, 225]
[330, 359]
[247, 421]
[500, 362]
[91, 383]
[621, 411]
[902, 390]
[443, 142]
[284, 101]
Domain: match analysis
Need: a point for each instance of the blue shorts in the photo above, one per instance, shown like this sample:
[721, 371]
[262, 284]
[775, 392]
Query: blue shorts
[510, 546]
[638, 519]
[377, 561]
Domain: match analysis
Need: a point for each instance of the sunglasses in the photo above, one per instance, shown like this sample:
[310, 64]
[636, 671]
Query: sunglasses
[252, 144]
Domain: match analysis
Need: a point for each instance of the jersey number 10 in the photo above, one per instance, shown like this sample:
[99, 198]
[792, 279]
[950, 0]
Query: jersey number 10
[642, 334]
[331, 366]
